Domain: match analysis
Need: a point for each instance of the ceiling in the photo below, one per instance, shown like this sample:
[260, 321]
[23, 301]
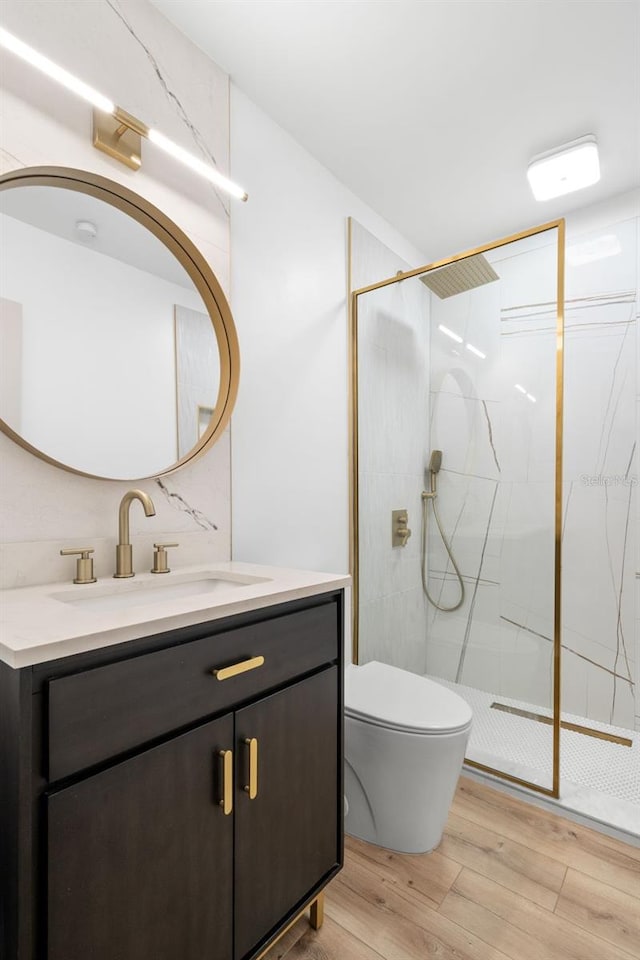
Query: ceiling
[430, 110]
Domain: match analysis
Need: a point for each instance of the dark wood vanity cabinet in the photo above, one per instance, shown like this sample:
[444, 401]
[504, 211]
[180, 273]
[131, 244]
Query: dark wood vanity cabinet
[131, 850]
[127, 829]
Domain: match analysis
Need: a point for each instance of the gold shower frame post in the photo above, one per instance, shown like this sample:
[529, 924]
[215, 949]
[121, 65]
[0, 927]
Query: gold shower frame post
[558, 225]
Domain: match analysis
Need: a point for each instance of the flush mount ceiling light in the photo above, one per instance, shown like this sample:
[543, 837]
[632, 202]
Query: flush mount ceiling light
[564, 169]
[115, 131]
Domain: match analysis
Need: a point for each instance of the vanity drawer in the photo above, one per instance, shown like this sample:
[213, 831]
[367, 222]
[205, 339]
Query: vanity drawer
[108, 710]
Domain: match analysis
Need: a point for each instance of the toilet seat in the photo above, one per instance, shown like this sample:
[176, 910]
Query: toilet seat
[395, 699]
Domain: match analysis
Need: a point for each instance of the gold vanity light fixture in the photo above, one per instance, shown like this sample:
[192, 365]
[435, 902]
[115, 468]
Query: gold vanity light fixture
[115, 131]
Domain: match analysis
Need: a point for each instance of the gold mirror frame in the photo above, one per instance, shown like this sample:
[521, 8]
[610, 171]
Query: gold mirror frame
[559, 225]
[193, 262]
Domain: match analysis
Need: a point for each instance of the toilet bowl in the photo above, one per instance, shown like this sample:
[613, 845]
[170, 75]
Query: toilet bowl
[405, 740]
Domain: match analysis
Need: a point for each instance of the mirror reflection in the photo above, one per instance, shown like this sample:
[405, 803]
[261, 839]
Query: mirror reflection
[110, 362]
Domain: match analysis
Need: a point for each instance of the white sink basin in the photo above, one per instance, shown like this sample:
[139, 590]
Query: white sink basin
[131, 593]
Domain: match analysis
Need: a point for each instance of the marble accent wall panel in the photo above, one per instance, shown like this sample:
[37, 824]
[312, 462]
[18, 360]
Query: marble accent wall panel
[126, 49]
[393, 391]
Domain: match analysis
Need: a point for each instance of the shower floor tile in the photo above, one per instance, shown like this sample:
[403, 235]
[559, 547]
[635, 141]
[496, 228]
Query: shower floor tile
[598, 779]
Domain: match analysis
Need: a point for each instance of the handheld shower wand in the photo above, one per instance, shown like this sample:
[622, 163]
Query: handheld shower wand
[435, 462]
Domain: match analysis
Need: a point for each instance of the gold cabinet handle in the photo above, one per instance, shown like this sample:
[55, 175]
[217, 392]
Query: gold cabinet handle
[227, 781]
[252, 786]
[236, 668]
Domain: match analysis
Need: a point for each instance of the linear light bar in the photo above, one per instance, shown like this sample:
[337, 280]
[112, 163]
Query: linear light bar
[117, 132]
[564, 169]
[521, 389]
[449, 333]
[195, 164]
[51, 69]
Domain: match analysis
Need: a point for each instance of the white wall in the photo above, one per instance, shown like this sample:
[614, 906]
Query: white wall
[129, 51]
[289, 285]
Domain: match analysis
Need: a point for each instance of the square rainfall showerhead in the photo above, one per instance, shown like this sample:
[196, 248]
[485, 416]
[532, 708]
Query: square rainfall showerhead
[460, 276]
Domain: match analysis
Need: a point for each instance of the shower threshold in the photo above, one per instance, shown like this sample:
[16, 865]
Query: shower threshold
[599, 776]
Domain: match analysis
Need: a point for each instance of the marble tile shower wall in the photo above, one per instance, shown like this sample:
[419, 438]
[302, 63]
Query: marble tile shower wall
[600, 536]
[497, 482]
[393, 422]
[129, 51]
[495, 490]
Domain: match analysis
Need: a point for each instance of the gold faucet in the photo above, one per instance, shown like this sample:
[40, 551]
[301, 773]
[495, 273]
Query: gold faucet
[124, 550]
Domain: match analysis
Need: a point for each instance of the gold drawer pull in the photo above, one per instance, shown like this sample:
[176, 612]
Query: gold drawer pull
[236, 668]
[252, 788]
[227, 781]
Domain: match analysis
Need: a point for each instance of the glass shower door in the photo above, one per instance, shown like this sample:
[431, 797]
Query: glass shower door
[476, 589]
[494, 404]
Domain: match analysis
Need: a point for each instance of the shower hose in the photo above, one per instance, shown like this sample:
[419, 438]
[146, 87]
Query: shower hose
[426, 497]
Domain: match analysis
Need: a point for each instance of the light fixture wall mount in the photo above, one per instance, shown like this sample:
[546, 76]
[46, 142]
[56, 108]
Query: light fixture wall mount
[119, 134]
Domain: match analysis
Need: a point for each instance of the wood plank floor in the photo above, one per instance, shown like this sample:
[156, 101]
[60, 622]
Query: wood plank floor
[508, 882]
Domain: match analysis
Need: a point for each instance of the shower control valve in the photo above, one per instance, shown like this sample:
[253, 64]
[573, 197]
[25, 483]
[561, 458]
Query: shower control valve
[400, 531]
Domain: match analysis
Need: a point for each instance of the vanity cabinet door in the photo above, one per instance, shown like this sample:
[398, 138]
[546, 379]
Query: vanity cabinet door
[289, 836]
[140, 856]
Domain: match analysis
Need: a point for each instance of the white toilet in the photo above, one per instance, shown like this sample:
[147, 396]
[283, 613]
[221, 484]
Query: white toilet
[405, 740]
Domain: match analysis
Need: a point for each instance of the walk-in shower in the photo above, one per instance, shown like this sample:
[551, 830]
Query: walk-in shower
[462, 421]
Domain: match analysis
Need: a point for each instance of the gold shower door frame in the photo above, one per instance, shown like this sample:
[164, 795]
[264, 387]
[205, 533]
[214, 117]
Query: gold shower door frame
[558, 225]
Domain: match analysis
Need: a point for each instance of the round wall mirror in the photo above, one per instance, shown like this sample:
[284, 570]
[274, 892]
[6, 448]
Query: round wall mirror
[118, 353]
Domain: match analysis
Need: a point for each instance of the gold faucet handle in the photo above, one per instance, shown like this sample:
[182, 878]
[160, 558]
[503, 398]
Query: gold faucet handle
[84, 564]
[160, 557]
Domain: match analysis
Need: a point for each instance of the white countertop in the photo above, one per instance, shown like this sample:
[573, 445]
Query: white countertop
[57, 620]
